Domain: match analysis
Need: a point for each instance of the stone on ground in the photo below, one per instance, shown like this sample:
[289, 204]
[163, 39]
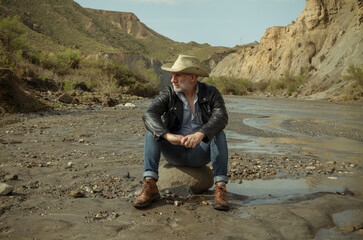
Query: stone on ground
[5, 189]
[199, 179]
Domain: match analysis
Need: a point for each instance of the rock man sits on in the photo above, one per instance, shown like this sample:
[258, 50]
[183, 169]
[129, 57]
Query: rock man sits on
[185, 124]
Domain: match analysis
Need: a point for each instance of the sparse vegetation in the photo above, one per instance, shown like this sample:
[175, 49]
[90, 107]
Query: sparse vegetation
[354, 90]
[231, 85]
[68, 67]
[287, 84]
[12, 34]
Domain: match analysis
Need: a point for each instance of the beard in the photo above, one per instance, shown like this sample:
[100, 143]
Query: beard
[181, 88]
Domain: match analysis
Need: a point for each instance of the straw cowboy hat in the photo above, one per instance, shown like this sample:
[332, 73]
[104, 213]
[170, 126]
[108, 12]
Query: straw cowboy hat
[186, 64]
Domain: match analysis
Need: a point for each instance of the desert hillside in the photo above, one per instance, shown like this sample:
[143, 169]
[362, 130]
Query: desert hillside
[325, 40]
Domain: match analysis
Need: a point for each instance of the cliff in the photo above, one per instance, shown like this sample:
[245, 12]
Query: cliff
[127, 22]
[323, 42]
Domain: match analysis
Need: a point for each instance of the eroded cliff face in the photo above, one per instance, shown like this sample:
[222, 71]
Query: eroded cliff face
[325, 39]
[128, 22]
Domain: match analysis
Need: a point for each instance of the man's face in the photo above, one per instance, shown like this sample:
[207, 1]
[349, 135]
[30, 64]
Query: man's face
[181, 82]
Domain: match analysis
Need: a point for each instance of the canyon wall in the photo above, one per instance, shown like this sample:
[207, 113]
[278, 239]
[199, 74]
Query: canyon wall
[323, 42]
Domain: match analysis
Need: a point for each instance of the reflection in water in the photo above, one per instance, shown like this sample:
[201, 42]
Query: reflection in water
[280, 190]
[328, 148]
[279, 110]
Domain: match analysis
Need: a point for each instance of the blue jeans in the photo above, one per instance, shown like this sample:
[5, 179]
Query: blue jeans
[215, 151]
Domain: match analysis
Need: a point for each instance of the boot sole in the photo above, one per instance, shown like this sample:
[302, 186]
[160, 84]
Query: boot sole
[145, 204]
[221, 207]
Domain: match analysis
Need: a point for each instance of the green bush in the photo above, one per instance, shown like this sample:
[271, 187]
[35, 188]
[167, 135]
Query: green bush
[68, 85]
[355, 73]
[5, 62]
[354, 90]
[231, 85]
[62, 63]
[287, 82]
[12, 34]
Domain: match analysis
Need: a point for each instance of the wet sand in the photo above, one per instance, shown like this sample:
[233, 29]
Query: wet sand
[98, 152]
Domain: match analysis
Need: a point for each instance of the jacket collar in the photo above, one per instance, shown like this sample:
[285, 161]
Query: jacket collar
[202, 93]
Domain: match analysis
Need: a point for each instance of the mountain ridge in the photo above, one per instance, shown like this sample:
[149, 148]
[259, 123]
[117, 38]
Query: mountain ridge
[55, 25]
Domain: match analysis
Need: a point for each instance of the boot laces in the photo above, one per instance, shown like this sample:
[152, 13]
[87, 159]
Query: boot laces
[220, 192]
[146, 186]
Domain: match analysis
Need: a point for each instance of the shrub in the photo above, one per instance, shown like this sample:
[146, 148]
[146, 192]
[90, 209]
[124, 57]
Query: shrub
[354, 90]
[5, 62]
[354, 73]
[63, 62]
[231, 85]
[68, 85]
[288, 83]
[12, 34]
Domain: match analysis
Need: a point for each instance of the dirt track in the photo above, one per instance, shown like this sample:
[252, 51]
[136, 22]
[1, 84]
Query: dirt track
[98, 152]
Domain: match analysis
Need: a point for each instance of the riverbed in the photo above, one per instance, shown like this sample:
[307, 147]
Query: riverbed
[294, 166]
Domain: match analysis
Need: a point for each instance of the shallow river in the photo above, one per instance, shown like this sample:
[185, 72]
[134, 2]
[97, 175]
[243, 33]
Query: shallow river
[326, 131]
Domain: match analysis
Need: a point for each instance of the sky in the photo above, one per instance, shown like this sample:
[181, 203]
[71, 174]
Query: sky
[216, 22]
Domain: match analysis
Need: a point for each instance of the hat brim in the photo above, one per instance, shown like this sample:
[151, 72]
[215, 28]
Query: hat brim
[191, 70]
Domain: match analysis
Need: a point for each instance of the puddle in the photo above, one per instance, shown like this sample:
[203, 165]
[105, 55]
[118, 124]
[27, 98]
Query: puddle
[271, 124]
[274, 112]
[280, 190]
[251, 143]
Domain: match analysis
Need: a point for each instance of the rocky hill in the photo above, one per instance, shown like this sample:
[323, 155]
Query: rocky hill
[54, 25]
[323, 42]
[127, 22]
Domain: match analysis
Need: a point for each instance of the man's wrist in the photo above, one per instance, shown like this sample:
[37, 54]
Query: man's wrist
[201, 134]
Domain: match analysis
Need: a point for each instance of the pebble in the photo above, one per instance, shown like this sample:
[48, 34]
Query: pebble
[5, 189]
[260, 167]
[13, 177]
[77, 194]
[191, 207]
[130, 105]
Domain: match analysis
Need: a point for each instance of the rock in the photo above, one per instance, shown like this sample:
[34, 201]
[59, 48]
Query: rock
[130, 105]
[182, 191]
[199, 179]
[5, 189]
[77, 194]
[121, 174]
[82, 86]
[349, 220]
[12, 177]
[66, 98]
[109, 102]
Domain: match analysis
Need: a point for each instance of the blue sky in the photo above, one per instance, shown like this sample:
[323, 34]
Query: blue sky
[217, 22]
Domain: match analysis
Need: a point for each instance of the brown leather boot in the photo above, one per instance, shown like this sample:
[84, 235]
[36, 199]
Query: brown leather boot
[149, 194]
[220, 198]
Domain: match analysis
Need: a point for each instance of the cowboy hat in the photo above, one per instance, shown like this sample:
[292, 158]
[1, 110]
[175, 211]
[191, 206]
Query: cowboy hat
[186, 64]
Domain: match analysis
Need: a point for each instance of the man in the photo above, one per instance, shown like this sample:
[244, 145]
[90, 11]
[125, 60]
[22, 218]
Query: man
[185, 124]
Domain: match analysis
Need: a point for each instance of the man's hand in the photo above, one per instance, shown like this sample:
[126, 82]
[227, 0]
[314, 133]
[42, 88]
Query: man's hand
[192, 140]
[173, 138]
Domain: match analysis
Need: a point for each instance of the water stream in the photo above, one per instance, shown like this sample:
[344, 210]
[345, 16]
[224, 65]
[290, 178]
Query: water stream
[270, 116]
[275, 111]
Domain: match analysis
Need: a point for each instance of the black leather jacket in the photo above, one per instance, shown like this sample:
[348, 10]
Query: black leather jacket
[166, 112]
